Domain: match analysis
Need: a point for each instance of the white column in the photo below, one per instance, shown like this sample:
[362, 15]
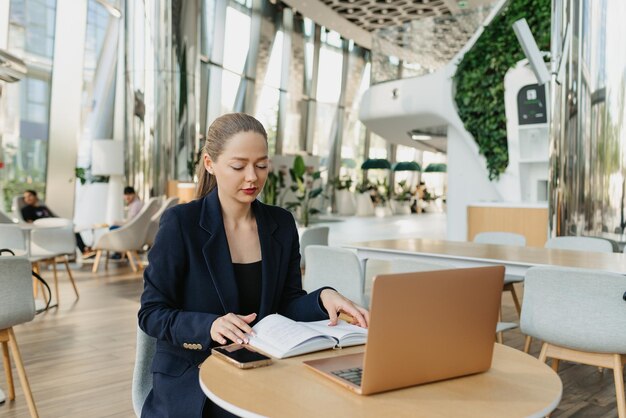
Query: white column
[65, 105]
[5, 6]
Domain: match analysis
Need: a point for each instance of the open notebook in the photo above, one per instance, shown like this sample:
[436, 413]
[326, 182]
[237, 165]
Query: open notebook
[281, 337]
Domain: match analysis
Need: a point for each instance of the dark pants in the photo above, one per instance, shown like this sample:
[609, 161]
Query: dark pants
[80, 243]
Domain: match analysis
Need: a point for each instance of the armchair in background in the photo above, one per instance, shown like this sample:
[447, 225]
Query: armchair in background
[153, 228]
[129, 238]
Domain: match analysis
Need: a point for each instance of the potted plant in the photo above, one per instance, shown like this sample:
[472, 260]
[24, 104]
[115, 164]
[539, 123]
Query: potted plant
[344, 199]
[379, 194]
[303, 180]
[274, 186]
[402, 198]
[364, 203]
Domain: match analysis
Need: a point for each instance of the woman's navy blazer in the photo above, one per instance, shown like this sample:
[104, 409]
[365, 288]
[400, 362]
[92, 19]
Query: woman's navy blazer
[190, 282]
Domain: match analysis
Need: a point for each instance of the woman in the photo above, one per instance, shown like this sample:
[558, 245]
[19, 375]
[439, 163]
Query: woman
[219, 264]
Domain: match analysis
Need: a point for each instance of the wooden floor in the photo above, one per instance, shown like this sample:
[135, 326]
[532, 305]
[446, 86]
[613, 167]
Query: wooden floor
[79, 357]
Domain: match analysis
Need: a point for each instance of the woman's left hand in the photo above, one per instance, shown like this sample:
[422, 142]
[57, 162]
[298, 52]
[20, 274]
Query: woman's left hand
[335, 303]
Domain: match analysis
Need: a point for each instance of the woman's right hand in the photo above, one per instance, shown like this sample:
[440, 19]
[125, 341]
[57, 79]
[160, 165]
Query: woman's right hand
[232, 326]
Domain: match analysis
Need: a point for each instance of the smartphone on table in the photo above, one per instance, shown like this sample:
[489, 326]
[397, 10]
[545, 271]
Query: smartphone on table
[241, 356]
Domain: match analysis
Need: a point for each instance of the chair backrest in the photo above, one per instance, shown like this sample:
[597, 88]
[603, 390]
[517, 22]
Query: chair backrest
[5, 219]
[165, 205]
[153, 228]
[317, 235]
[501, 238]
[54, 236]
[575, 308]
[375, 267]
[132, 235]
[12, 237]
[597, 245]
[17, 304]
[336, 267]
[142, 374]
[16, 207]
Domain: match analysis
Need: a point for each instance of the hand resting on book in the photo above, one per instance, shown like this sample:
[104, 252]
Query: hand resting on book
[282, 337]
[335, 303]
[235, 327]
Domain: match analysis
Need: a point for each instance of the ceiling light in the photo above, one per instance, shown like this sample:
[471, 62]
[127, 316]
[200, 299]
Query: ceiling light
[417, 135]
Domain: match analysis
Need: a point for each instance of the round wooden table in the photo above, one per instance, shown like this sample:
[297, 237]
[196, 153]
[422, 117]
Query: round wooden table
[517, 385]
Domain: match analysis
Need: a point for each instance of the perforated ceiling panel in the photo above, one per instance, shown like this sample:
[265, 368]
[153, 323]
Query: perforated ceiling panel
[378, 14]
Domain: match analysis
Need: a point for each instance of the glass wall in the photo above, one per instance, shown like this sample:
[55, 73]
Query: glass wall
[27, 103]
[302, 81]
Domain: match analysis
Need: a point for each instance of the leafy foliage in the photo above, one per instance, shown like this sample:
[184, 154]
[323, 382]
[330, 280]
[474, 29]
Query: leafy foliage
[404, 192]
[480, 77]
[303, 179]
[342, 183]
[274, 184]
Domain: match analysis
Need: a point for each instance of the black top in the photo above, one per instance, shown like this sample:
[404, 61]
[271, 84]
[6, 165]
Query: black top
[32, 213]
[248, 278]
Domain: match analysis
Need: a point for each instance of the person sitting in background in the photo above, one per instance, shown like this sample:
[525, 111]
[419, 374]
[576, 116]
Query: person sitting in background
[34, 210]
[133, 206]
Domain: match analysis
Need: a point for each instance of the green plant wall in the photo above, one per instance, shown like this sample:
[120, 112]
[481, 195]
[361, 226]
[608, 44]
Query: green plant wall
[479, 77]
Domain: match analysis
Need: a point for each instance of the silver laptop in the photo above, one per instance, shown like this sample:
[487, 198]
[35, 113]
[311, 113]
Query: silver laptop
[424, 327]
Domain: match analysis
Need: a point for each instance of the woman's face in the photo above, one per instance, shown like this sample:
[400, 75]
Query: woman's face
[242, 168]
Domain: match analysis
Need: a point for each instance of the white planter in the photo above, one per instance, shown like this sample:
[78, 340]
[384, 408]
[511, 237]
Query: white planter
[364, 205]
[401, 207]
[382, 211]
[345, 202]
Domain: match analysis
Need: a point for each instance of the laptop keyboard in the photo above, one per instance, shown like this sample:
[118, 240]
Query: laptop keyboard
[351, 375]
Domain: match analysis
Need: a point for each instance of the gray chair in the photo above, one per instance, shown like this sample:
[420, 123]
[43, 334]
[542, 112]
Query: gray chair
[586, 244]
[142, 374]
[581, 317]
[317, 235]
[505, 238]
[335, 267]
[17, 306]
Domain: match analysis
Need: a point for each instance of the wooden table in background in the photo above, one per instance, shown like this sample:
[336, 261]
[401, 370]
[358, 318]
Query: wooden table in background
[517, 385]
[469, 254]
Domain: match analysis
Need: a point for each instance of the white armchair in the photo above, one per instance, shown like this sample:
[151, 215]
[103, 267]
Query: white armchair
[53, 240]
[5, 219]
[16, 207]
[129, 238]
[153, 228]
